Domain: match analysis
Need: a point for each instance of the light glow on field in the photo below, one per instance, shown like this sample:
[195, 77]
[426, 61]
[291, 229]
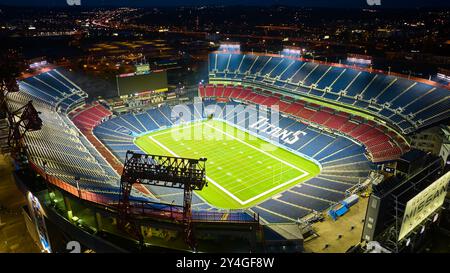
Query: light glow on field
[242, 170]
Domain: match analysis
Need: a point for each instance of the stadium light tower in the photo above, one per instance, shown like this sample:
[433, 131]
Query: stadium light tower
[11, 65]
[291, 51]
[165, 171]
[231, 47]
[21, 121]
[25, 118]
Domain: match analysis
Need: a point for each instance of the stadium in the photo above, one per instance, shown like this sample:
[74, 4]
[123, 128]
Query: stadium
[267, 140]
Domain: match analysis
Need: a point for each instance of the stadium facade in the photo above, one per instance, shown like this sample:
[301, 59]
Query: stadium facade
[344, 121]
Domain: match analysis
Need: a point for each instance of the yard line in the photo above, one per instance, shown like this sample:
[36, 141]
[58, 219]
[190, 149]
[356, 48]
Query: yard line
[267, 179]
[275, 188]
[224, 165]
[228, 192]
[177, 127]
[264, 152]
[304, 173]
[162, 146]
[209, 179]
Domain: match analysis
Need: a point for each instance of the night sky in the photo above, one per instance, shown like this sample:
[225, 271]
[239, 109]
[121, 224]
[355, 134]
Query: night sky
[305, 3]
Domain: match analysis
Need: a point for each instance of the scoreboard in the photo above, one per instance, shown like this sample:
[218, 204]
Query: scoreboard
[142, 68]
[142, 80]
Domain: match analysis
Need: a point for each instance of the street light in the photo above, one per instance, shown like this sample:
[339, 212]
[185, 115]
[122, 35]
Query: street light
[77, 179]
[45, 169]
[46, 181]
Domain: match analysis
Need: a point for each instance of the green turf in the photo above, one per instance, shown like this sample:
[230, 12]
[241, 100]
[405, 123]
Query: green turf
[242, 170]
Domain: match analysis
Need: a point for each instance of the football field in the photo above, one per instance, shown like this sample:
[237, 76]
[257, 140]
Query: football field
[242, 170]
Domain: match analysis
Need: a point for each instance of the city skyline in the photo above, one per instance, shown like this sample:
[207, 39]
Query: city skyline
[172, 3]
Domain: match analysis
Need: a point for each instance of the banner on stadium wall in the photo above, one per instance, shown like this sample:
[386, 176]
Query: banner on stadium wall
[142, 68]
[37, 214]
[424, 204]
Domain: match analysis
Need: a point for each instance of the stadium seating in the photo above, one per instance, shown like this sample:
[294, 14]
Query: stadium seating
[55, 89]
[89, 116]
[369, 134]
[63, 152]
[336, 154]
[93, 151]
[59, 148]
[414, 104]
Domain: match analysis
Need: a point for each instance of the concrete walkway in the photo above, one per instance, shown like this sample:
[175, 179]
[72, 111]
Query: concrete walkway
[327, 238]
[329, 231]
[14, 236]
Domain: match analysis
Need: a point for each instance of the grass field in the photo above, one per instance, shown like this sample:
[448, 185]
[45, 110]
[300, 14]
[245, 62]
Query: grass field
[241, 170]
